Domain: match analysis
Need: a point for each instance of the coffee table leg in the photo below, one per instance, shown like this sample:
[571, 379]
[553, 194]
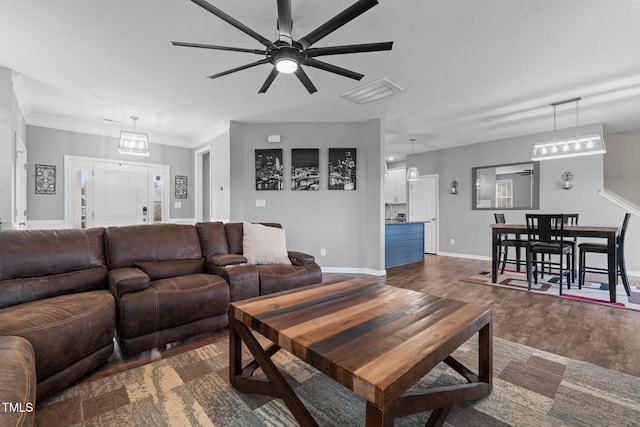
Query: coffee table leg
[382, 417]
[277, 385]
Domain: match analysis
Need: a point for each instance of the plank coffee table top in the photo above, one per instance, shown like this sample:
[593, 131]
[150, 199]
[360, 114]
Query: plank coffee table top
[374, 339]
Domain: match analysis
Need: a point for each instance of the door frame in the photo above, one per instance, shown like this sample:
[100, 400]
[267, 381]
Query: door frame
[87, 163]
[198, 155]
[437, 197]
[19, 222]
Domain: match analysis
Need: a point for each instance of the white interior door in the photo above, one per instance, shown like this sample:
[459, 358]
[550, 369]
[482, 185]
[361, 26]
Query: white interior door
[120, 194]
[20, 190]
[423, 207]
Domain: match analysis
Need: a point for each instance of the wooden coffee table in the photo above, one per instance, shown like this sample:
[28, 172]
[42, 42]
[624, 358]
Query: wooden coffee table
[374, 339]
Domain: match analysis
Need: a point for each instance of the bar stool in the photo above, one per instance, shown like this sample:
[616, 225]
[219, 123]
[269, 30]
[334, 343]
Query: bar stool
[506, 243]
[602, 248]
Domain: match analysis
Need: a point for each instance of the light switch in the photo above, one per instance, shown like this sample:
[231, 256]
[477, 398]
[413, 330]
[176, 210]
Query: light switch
[261, 203]
[178, 205]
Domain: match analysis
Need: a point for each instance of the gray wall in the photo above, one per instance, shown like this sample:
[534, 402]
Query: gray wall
[348, 224]
[621, 172]
[220, 176]
[470, 228]
[49, 146]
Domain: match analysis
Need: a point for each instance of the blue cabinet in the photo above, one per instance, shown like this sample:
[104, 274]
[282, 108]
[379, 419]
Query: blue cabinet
[404, 243]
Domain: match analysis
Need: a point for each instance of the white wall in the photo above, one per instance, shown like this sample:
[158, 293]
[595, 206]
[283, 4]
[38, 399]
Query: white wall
[348, 224]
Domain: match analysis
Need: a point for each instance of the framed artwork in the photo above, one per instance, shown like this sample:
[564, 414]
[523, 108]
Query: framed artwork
[269, 169]
[181, 187]
[305, 169]
[342, 168]
[45, 179]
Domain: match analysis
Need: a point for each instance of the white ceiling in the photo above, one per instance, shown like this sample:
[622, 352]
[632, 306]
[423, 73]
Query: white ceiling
[471, 70]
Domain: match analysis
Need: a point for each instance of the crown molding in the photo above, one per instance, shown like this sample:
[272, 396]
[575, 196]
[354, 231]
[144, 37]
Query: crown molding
[21, 94]
[212, 133]
[104, 130]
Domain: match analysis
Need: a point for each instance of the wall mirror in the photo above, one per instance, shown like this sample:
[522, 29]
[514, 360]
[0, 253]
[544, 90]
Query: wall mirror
[503, 187]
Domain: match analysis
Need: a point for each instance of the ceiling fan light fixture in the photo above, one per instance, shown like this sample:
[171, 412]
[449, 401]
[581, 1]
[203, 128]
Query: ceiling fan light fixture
[286, 65]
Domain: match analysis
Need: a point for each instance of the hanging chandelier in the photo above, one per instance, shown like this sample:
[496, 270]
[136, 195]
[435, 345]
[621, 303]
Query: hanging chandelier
[579, 145]
[135, 143]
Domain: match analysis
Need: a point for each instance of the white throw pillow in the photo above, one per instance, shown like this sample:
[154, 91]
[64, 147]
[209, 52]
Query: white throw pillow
[262, 244]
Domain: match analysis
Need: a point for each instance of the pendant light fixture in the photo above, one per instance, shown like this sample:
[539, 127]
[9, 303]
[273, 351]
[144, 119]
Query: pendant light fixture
[412, 172]
[134, 143]
[568, 147]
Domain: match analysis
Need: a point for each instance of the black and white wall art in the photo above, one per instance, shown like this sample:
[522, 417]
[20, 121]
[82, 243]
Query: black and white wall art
[342, 168]
[181, 187]
[269, 169]
[45, 179]
[305, 169]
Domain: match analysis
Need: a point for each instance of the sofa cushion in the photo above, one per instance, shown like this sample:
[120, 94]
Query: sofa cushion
[264, 245]
[17, 381]
[162, 269]
[36, 253]
[171, 302]
[18, 291]
[125, 280]
[158, 242]
[64, 329]
[213, 238]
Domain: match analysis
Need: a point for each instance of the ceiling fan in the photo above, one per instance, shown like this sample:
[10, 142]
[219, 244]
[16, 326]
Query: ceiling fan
[287, 55]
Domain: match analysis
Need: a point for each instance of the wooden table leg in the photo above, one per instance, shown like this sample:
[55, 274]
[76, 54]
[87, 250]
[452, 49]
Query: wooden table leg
[277, 385]
[380, 417]
[494, 255]
[612, 266]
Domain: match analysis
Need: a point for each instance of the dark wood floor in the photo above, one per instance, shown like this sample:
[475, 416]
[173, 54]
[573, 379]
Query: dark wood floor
[606, 336]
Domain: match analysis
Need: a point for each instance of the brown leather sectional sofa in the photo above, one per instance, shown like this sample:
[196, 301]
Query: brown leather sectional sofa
[68, 293]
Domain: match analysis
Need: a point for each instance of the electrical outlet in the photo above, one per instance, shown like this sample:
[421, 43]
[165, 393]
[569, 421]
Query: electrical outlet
[323, 252]
[261, 203]
[452, 242]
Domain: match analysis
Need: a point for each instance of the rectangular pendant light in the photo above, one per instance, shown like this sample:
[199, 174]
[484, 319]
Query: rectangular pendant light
[580, 145]
[568, 147]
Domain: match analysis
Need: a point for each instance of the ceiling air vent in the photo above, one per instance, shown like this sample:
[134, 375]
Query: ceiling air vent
[372, 91]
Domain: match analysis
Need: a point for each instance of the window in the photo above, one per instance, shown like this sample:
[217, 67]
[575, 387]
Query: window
[504, 193]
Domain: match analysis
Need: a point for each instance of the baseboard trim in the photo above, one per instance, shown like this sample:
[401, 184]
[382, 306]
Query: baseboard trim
[467, 256]
[45, 224]
[349, 270]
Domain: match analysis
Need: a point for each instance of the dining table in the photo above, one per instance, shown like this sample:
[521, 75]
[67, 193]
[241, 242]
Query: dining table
[609, 233]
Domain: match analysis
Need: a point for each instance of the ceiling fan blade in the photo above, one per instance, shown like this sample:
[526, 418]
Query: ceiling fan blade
[332, 68]
[267, 83]
[302, 76]
[244, 67]
[352, 12]
[285, 22]
[353, 48]
[220, 14]
[211, 46]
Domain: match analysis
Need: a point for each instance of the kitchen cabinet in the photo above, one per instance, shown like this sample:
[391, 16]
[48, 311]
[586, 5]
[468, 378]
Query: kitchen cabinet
[395, 185]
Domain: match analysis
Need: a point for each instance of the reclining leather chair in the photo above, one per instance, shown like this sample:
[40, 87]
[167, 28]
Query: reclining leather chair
[162, 293]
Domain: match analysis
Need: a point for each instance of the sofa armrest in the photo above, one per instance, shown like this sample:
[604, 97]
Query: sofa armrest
[300, 258]
[225, 260]
[17, 382]
[128, 279]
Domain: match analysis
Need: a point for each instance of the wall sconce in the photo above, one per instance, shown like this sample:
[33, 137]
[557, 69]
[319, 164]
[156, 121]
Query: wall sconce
[454, 187]
[567, 177]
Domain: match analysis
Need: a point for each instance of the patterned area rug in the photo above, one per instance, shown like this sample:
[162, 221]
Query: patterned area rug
[594, 292]
[531, 388]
